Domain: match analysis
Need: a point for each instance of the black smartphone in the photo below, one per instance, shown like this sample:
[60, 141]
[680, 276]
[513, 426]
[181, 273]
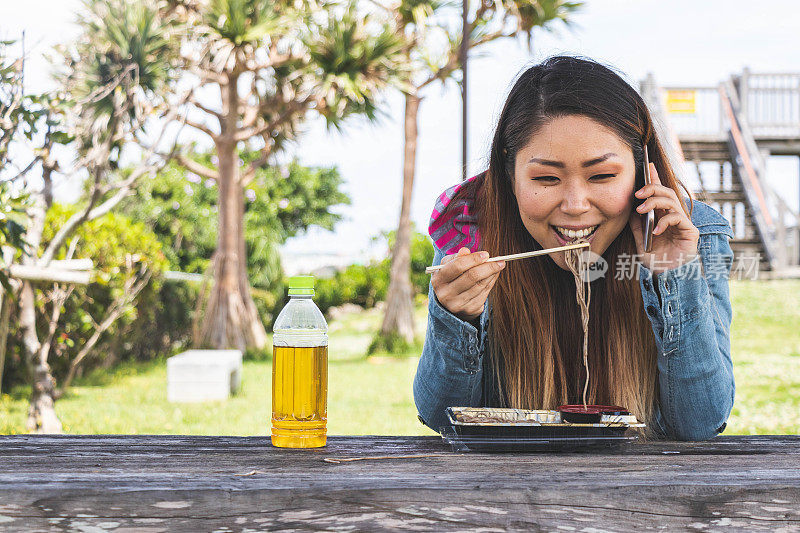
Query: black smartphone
[649, 218]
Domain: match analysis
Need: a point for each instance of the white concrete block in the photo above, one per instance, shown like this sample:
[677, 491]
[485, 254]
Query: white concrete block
[202, 375]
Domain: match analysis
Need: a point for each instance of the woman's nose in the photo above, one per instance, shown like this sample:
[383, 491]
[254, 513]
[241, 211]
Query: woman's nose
[575, 200]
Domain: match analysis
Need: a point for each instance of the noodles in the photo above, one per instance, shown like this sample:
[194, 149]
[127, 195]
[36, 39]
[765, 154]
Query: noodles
[583, 293]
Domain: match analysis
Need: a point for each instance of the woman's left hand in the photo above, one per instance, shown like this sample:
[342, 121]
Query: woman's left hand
[675, 238]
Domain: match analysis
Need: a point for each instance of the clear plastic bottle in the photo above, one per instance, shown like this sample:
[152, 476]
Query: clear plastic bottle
[300, 370]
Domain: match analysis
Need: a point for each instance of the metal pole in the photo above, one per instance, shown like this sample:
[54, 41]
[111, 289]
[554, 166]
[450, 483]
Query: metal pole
[463, 60]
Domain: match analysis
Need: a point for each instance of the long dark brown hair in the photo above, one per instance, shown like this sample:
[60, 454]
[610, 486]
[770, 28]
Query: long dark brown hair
[535, 331]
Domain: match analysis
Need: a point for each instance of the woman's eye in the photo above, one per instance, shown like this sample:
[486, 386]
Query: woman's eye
[554, 178]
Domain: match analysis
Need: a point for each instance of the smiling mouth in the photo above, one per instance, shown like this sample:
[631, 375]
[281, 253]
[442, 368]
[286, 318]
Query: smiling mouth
[568, 235]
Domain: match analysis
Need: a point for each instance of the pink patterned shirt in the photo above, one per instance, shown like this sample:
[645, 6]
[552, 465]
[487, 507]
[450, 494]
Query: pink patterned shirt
[458, 227]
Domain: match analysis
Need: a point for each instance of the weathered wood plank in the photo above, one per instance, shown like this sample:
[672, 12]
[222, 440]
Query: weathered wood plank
[200, 483]
[366, 444]
[530, 509]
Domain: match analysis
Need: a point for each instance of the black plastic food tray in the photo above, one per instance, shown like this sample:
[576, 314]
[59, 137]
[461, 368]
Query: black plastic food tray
[534, 439]
[531, 431]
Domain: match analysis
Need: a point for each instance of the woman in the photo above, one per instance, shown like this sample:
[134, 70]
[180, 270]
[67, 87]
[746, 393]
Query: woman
[566, 163]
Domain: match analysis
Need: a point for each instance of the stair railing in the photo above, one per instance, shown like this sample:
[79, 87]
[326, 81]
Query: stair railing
[769, 101]
[790, 236]
[751, 169]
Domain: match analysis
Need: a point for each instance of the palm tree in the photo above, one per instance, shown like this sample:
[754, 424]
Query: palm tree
[421, 22]
[272, 64]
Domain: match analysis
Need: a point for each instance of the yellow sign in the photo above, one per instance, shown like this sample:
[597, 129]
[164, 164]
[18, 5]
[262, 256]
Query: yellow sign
[681, 101]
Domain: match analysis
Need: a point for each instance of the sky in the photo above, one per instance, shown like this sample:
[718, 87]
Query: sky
[682, 42]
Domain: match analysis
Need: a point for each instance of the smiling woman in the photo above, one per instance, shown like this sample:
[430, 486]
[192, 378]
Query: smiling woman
[566, 164]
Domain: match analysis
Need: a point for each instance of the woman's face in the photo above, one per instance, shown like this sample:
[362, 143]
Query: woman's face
[574, 174]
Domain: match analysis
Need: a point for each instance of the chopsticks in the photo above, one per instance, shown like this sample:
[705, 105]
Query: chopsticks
[523, 255]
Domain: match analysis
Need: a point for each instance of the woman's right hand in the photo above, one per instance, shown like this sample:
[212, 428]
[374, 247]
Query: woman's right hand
[463, 284]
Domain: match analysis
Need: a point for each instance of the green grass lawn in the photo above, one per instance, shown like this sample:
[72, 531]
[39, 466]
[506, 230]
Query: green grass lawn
[373, 396]
[365, 396]
[765, 346]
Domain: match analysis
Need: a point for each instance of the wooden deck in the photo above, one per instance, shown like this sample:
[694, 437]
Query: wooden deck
[153, 483]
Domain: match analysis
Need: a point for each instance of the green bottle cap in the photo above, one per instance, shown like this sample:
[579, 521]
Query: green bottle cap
[301, 285]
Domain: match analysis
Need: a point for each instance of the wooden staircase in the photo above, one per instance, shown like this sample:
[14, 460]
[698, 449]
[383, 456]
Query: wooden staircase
[748, 243]
[729, 130]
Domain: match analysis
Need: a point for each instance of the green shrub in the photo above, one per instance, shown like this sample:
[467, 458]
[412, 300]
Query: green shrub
[421, 258]
[365, 285]
[392, 343]
[119, 248]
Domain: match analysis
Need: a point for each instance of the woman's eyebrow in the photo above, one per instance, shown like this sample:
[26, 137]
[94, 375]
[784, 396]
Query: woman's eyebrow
[597, 160]
[559, 164]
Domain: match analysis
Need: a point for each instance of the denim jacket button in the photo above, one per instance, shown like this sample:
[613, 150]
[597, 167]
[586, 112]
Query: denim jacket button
[651, 310]
[647, 285]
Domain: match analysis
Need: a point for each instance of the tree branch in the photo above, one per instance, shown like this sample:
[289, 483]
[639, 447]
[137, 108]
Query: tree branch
[489, 37]
[478, 14]
[58, 298]
[91, 212]
[252, 168]
[129, 293]
[193, 166]
[207, 75]
[441, 74]
[199, 126]
[453, 60]
[25, 170]
[292, 107]
[251, 112]
[195, 102]
[275, 60]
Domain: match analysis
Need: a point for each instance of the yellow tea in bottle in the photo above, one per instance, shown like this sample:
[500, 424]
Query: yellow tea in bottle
[299, 396]
[300, 370]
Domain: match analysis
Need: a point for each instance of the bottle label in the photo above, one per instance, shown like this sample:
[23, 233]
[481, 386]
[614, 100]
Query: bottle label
[299, 338]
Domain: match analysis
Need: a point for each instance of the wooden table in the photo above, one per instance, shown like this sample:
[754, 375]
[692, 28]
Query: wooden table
[152, 483]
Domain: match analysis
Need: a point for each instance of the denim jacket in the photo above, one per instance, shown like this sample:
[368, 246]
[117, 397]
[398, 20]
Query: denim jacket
[690, 316]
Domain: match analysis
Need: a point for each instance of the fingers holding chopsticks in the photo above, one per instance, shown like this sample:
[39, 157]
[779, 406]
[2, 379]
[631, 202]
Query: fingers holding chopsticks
[463, 284]
[511, 257]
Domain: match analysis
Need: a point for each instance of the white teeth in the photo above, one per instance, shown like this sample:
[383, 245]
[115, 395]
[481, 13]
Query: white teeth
[572, 234]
